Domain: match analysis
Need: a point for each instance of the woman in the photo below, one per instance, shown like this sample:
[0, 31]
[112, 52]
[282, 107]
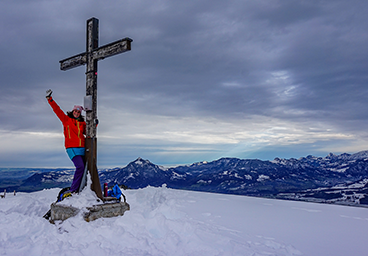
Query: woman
[74, 133]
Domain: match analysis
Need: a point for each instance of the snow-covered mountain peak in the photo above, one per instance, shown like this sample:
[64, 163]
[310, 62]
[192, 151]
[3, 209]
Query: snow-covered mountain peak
[360, 155]
[140, 161]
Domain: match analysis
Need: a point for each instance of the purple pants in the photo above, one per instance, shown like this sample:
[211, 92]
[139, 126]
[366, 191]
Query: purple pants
[78, 162]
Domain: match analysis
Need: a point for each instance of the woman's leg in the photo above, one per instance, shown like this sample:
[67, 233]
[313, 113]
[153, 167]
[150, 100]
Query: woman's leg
[78, 162]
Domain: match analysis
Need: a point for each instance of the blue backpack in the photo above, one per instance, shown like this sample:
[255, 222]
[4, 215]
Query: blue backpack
[115, 192]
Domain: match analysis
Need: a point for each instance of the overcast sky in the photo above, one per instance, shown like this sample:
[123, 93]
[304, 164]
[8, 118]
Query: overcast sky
[204, 79]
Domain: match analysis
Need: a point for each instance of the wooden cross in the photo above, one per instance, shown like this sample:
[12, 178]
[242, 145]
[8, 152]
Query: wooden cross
[90, 57]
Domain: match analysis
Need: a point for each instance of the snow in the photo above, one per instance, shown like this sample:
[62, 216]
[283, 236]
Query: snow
[248, 177]
[262, 177]
[139, 161]
[164, 221]
[338, 169]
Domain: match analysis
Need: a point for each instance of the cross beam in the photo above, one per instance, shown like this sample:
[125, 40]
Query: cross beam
[90, 58]
[100, 53]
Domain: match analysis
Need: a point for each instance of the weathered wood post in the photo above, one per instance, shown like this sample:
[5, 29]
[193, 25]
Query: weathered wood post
[92, 55]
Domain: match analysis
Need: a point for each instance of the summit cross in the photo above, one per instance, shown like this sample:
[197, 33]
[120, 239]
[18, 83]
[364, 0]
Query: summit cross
[90, 58]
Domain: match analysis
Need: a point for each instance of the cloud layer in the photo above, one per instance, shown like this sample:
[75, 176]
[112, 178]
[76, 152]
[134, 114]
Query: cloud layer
[204, 79]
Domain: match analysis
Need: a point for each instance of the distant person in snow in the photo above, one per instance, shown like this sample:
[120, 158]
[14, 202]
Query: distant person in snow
[74, 133]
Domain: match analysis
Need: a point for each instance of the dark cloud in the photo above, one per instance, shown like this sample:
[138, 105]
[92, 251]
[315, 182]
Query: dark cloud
[254, 64]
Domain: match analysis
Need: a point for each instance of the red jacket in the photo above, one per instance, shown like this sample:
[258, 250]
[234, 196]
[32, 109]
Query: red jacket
[74, 130]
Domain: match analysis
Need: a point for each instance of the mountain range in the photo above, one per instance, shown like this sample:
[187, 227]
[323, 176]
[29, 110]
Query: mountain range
[341, 179]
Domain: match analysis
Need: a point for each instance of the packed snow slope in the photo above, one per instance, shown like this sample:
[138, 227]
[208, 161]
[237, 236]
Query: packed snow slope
[164, 221]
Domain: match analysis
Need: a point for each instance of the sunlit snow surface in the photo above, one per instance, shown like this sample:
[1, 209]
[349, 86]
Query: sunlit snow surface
[174, 222]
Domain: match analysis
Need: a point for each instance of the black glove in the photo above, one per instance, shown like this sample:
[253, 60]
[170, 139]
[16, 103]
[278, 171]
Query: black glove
[48, 93]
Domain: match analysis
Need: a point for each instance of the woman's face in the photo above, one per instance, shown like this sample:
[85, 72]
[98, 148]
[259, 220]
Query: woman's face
[76, 113]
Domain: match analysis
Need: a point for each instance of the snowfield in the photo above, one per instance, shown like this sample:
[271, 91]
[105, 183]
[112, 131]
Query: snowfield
[164, 221]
